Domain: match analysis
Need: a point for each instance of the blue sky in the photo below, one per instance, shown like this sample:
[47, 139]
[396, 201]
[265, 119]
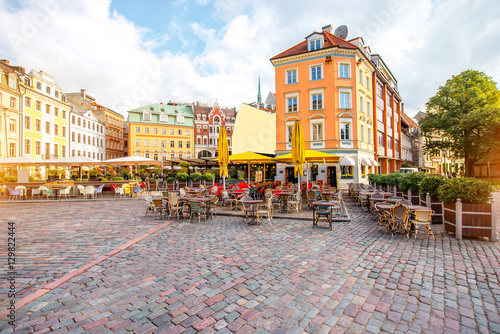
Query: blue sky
[131, 53]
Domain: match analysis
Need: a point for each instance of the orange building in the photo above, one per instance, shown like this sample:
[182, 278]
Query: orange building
[327, 83]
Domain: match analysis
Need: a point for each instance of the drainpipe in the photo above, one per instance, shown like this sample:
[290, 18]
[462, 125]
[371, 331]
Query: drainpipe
[21, 118]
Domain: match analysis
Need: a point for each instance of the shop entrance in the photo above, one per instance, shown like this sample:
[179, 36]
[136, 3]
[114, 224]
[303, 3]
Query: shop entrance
[331, 173]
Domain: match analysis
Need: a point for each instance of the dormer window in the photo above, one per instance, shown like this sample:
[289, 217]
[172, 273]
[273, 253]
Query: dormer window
[39, 86]
[180, 118]
[163, 117]
[146, 116]
[216, 120]
[151, 108]
[315, 44]
[27, 81]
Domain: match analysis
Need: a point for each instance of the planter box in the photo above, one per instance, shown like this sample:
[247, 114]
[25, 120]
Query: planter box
[413, 197]
[195, 184]
[171, 185]
[435, 205]
[182, 184]
[470, 220]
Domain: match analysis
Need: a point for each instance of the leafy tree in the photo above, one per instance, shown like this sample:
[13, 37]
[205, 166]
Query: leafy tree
[466, 113]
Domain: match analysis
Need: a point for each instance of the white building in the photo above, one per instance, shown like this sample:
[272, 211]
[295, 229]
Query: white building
[87, 135]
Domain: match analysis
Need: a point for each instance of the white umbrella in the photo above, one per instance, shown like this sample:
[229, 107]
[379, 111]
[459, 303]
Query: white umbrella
[20, 161]
[132, 160]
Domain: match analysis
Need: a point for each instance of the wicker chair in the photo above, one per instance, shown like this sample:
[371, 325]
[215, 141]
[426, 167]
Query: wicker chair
[423, 218]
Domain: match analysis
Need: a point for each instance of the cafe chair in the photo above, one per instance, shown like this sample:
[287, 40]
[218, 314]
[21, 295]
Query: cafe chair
[13, 193]
[213, 204]
[311, 197]
[422, 218]
[89, 191]
[46, 192]
[37, 192]
[98, 190]
[65, 192]
[199, 209]
[404, 202]
[149, 205]
[295, 202]
[399, 219]
[323, 212]
[127, 189]
[159, 208]
[118, 191]
[174, 206]
[263, 211]
[246, 208]
[382, 221]
[363, 201]
[81, 190]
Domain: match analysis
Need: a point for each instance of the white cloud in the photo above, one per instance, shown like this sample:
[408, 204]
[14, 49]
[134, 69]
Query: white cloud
[85, 45]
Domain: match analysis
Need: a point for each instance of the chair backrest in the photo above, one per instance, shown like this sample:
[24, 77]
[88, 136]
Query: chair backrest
[323, 207]
[89, 190]
[399, 211]
[268, 193]
[158, 203]
[246, 198]
[20, 187]
[311, 195]
[423, 216]
[213, 191]
[173, 200]
[114, 186]
[377, 195]
[195, 205]
[225, 194]
[148, 199]
[298, 196]
[182, 192]
[80, 188]
[66, 190]
[13, 192]
[404, 202]
[379, 203]
[396, 197]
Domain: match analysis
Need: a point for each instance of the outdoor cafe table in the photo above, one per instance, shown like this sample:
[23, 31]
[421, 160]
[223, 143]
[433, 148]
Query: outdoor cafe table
[328, 193]
[205, 200]
[194, 191]
[284, 199]
[373, 200]
[253, 203]
[315, 207]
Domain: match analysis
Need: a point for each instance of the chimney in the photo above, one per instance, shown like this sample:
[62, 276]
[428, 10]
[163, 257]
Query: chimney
[82, 93]
[5, 61]
[327, 28]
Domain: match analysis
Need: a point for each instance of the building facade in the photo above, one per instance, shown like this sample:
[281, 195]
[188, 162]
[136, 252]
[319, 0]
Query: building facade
[207, 123]
[114, 131]
[46, 117]
[10, 110]
[158, 130]
[327, 83]
[87, 136]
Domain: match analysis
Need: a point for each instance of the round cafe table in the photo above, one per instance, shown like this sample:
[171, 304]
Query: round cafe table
[252, 203]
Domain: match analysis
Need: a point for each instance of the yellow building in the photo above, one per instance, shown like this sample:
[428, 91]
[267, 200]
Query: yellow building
[10, 110]
[161, 128]
[46, 114]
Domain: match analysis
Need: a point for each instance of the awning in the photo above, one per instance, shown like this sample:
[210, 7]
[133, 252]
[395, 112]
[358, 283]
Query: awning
[366, 162]
[346, 161]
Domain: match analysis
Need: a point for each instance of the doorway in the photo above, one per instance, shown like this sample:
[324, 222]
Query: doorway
[331, 173]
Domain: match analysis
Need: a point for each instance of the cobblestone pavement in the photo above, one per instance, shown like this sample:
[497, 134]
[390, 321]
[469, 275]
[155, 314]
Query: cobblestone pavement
[225, 276]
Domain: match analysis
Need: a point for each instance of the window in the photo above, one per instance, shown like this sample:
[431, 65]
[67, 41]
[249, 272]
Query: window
[93, 141]
[316, 72]
[180, 144]
[27, 122]
[361, 104]
[79, 138]
[379, 89]
[361, 76]
[12, 125]
[47, 149]
[180, 118]
[163, 117]
[345, 99]
[12, 149]
[180, 155]
[84, 139]
[38, 149]
[188, 144]
[79, 121]
[380, 115]
[93, 127]
[344, 71]
[317, 131]
[155, 143]
[163, 131]
[362, 134]
[146, 142]
[38, 105]
[317, 101]
[56, 130]
[368, 108]
[315, 44]
[13, 102]
[172, 143]
[155, 130]
[38, 125]
[369, 136]
[27, 102]
[56, 93]
[138, 129]
[72, 136]
[137, 142]
[56, 150]
[64, 114]
[198, 128]
[292, 105]
[38, 85]
[291, 76]
[172, 131]
[368, 82]
[188, 132]
[12, 82]
[47, 127]
[180, 132]
[146, 130]
[380, 138]
[27, 146]
[289, 132]
[345, 133]
[47, 90]
[146, 116]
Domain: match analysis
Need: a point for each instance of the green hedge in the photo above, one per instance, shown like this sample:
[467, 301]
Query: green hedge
[430, 184]
[183, 176]
[468, 189]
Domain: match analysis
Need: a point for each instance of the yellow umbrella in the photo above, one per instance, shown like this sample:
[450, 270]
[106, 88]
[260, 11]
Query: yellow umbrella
[249, 158]
[298, 149]
[223, 154]
[311, 156]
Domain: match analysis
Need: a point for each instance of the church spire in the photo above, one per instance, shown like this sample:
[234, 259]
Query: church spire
[259, 97]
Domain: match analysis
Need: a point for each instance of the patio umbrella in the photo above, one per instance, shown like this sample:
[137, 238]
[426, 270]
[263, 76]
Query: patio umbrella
[223, 155]
[132, 160]
[20, 161]
[298, 150]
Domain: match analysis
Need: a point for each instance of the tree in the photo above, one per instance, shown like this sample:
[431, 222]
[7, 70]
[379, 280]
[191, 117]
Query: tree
[466, 114]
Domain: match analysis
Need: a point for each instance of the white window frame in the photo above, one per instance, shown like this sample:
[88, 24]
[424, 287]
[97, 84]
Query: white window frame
[311, 72]
[362, 133]
[348, 122]
[180, 118]
[163, 117]
[138, 142]
[146, 116]
[362, 103]
[146, 142]
[287, 133]
[312, 123]
[296, 70]
[361, 76]
[289, 96]
[315, 40]
[311, 99]
[348, 70]
[345, 91]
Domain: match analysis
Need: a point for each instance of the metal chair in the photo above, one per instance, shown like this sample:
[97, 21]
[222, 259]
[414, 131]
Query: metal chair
[246, 208]
[199, 209]
[323, 212]
[263, 211]
[404, 202]
[296, 202]
[311, 197]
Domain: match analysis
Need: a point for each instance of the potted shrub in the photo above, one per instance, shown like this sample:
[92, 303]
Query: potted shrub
[467, 208]
[428, 190]
[393, 181]
[409, 182]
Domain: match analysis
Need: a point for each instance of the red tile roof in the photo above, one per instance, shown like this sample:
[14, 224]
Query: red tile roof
[409, 120]
[331, 41]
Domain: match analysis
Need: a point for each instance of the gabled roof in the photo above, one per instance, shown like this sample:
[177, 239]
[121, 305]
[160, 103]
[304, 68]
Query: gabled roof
[410, 121]
[136, 115]
[330, 41]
